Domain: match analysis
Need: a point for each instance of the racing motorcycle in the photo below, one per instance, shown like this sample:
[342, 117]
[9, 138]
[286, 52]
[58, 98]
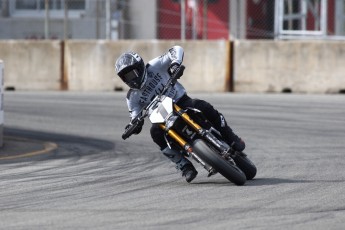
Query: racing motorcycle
[193, 135]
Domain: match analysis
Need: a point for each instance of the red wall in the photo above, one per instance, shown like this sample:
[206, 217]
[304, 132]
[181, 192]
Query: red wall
[259, 21]
[330, 18]
[169, 20]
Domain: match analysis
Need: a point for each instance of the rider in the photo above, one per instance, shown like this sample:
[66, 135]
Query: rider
[147, 81]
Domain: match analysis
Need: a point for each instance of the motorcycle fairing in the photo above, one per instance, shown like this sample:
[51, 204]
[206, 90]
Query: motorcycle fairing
[162, 111]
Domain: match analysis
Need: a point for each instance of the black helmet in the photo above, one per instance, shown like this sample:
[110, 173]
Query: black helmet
[131, 69]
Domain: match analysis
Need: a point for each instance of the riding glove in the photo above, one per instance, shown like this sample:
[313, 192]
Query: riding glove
[138, 128]
[173, 68]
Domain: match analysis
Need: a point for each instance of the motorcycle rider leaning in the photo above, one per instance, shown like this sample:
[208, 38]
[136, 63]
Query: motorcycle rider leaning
[146, 81]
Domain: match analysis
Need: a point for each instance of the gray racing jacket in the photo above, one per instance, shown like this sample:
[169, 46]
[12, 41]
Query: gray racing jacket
[157, 77]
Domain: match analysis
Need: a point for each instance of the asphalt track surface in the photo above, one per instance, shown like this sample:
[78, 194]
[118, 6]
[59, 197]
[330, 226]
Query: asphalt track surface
[95, 180]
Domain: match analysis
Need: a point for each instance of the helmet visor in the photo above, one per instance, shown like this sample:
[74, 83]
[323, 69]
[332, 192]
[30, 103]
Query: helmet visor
[131, 78]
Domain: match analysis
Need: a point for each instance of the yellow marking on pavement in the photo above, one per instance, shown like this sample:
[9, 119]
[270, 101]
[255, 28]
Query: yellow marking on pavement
[48, 146]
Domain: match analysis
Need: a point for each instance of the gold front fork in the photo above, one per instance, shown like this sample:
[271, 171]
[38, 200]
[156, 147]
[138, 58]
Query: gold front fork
[176, 136]
[187, 119]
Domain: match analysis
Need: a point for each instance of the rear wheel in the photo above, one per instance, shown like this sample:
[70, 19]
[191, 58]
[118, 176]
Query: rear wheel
[228, 170]
[246, 165]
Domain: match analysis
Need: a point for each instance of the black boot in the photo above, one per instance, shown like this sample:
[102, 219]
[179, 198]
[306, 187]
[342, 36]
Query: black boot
[237, 143]
[189, 172]
[182, 163]
[230, 137]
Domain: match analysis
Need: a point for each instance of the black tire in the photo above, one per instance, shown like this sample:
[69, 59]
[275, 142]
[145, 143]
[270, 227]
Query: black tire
[246, 166]
[228, 170]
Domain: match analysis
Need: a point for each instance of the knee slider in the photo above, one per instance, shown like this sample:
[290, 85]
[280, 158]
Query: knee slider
[201, 104]
[222, 121]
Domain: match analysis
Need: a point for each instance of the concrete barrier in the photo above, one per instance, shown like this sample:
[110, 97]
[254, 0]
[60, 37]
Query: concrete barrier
[89, 65]
[31, 65]
[258, 65]
[296, 66]
[1, 102]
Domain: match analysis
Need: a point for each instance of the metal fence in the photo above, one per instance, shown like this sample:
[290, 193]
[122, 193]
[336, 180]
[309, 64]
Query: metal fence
[172, 19]
[252, 19]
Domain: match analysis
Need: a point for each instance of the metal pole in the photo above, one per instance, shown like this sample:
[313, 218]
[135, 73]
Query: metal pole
[183, 19]
[97, 20]
[107, 19]
[241, 19]
[204, 31]
[277, 19]
[303, 20]
[46, 21]
[324, 8]
[290, 11]
[5, 8]
[233, 23]
[195, 14]
[65, 21]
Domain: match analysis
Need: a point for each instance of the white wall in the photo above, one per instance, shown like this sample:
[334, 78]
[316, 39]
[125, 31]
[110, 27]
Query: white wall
[300, 66]
[1, 102]
[32, 65]
[89, 65]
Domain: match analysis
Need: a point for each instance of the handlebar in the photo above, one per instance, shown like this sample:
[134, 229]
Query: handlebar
[178, 73]
[130, 130]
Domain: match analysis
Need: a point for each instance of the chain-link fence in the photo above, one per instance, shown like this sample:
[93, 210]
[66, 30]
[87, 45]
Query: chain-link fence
[171, 19]
[251, 19]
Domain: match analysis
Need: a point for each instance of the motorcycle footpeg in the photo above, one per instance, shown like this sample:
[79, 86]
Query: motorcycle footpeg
[211, 172]
[242, 154]
[236, 153]
[231, 161]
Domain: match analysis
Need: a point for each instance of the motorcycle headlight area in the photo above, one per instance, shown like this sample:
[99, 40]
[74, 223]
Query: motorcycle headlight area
[162, 111]
[170, 121]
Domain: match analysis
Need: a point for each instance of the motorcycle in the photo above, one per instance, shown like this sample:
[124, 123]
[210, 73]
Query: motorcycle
[189, 131]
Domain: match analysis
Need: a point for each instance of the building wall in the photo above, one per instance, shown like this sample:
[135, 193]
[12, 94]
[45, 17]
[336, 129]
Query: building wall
[142, 19]
[214, 26]
[154, 19]
[85, 28]
[87, 24]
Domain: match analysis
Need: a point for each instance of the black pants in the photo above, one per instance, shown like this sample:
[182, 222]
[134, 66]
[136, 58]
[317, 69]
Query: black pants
[216, 118]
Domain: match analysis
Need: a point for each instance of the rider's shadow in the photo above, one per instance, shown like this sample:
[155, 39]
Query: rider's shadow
[274, 181]
[256, 181]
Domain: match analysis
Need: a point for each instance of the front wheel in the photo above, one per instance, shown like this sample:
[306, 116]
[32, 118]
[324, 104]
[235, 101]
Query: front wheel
[228, 170]
[246, 165]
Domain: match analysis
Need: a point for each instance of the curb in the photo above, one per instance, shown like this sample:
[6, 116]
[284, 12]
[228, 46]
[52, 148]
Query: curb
[14, 148]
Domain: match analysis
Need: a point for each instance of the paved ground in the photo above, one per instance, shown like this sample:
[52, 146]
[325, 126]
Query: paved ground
[15, 148]
[79, 174]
